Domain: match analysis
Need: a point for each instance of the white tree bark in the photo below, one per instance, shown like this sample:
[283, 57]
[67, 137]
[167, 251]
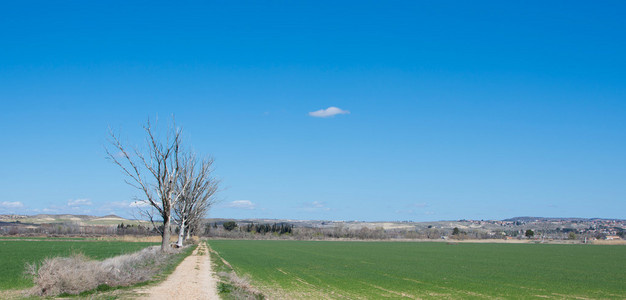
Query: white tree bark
[199, 188]
[181, 233]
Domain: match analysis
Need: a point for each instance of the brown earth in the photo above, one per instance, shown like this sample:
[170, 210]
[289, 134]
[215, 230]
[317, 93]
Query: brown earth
[192, 279]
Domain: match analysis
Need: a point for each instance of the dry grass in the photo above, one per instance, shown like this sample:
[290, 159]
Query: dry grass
[78, 273]
[609, 242]
[192, 240]
[243, 288]
[243, 283]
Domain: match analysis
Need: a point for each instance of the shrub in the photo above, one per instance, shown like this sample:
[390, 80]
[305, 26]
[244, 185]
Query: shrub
[230, 225]
[571, 235]
[238, 287]
[78, 273]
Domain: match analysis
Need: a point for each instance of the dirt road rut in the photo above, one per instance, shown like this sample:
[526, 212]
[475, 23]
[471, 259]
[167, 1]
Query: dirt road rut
[192, 279]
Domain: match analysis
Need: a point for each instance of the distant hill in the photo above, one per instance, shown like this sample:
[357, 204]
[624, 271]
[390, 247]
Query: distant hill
[114, 220]
[556, 219]
[68, 218]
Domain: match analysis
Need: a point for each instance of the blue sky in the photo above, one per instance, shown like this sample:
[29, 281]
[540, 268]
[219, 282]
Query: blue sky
[456, 110]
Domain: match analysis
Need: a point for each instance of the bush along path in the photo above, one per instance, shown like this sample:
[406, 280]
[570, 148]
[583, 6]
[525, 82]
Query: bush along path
[78, 273]
[192, 279]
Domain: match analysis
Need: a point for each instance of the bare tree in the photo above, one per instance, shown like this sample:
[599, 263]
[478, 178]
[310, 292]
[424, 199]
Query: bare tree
[156, 172]
[197, 187]
[545, 227]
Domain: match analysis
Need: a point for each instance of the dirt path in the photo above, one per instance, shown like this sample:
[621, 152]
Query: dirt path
[192, 279]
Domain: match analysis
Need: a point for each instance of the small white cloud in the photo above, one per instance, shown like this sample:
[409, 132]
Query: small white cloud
[139, 203]
[314, 206]
[243, 204]
[317, 204]
[78, 202]
[329, 112]
[15, 204]
[116, 204]
[79, 210]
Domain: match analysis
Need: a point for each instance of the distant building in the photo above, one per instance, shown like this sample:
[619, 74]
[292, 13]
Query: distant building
[612, 237]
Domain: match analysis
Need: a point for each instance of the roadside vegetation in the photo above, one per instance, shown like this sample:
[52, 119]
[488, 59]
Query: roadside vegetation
[15, 254]
[166, 268]
[320, 269]
[78, 274]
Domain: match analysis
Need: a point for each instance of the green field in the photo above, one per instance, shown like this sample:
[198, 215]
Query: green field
[14, 254]
[11, 238]
[308, 269]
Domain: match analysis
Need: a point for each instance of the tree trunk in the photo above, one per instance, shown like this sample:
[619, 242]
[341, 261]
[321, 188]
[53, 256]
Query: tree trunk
[165, 242]
[181, 234]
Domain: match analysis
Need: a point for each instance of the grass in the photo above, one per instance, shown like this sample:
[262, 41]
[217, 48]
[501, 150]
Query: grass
[11, 238]
[14, 254]
[224, 287]
[231, 286]
[305, 269]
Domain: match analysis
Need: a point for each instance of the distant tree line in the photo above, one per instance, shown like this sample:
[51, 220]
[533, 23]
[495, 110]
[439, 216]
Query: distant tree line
[246, 230]
[134, 229]
[76, 229]
[251, 228]
[231, 229]
[280, 228]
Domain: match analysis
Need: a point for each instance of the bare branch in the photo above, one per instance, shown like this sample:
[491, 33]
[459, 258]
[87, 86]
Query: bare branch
[198, 187]
[155, 172]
